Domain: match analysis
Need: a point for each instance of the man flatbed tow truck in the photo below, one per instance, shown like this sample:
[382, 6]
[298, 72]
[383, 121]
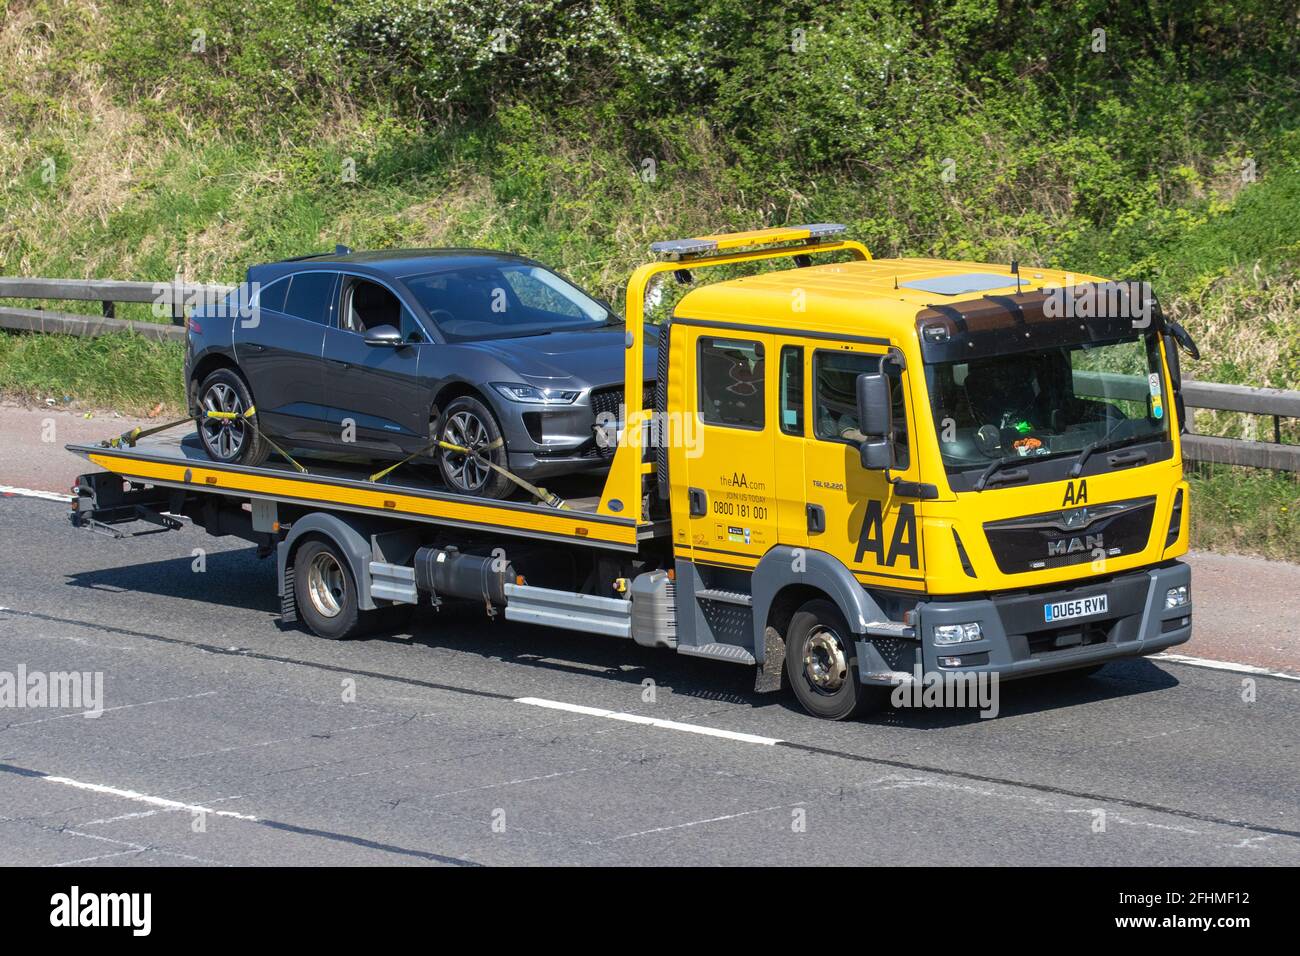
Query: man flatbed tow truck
[854, 472]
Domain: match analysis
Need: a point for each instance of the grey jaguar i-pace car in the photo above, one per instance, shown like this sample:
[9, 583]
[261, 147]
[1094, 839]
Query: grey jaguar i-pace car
[377, 354]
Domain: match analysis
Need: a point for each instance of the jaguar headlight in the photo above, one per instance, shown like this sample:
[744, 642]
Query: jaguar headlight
[532, 395]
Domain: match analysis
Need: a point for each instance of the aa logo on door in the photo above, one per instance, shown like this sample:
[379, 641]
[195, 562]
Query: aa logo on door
[901, 538]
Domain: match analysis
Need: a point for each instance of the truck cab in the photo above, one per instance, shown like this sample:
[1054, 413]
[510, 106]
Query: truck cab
[915, 466]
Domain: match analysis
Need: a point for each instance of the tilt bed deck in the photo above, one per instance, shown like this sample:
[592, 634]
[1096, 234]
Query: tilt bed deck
[404, 495]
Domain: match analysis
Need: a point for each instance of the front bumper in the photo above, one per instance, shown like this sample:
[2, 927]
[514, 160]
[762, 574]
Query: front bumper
[1017, 642]
[529, 465]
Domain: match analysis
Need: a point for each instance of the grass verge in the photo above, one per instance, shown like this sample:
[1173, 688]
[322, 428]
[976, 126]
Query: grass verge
[125, 373]
[1246, 510]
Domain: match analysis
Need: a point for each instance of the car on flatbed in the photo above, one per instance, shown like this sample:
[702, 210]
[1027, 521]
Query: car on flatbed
[376, 355]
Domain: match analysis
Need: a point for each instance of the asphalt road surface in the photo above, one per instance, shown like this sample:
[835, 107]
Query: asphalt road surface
[227, 740]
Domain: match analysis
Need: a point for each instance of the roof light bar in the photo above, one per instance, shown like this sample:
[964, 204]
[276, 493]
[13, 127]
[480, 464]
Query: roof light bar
[704, 245]
[676, 248]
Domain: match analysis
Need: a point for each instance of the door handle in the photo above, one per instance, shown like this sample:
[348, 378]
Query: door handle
[340, 363]
[816, 518]
[699, 502]
[1127, 457]
[254, 347]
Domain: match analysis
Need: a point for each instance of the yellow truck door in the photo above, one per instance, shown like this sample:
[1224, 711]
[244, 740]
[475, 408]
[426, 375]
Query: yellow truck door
[732, 491]
[876, 533]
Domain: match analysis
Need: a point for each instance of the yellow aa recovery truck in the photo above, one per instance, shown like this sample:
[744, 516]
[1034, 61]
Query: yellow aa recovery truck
[855, 473]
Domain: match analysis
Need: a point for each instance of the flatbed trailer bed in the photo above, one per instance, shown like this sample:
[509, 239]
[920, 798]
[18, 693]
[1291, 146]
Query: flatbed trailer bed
[183, 464]
[352, 552]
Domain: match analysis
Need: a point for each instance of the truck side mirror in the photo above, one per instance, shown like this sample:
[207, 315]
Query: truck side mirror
[877, 454]
[1171, 356]
[875, 421]
[1175, 333]
[1184, 340]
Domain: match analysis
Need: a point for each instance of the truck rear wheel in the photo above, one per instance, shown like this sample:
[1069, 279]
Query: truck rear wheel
[821, 662]
[326, 592]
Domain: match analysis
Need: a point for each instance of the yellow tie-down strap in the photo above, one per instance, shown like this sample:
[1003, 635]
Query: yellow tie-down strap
[312, 491]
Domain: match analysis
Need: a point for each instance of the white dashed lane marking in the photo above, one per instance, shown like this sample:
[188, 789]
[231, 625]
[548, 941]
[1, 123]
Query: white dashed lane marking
[161, 802]
[1223, 666]
[648, 721]
[33, 493]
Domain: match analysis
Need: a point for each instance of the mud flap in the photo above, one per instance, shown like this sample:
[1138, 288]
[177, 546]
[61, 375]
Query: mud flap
[768, 676]
[288, 600]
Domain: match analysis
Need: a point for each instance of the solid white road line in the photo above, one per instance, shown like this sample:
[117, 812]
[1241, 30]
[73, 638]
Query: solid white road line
[1224, 666]
[146, 798]
[648, 721]
[33, 493]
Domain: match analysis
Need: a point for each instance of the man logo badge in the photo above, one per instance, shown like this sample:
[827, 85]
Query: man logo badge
[1078, 518]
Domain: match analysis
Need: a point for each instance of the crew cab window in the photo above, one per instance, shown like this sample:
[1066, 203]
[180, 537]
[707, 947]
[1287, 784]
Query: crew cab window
[792, 390]
[835, 398]
[368, 305]
[311, 296]
[731, 374]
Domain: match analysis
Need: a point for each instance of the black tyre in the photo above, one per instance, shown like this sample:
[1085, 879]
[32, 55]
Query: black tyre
[229, 440]
[821, 663]
[469, 423]
[326, 592]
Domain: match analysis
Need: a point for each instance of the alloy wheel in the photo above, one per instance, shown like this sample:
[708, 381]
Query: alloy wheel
[325, 584]
[224, 435]
[468, 431]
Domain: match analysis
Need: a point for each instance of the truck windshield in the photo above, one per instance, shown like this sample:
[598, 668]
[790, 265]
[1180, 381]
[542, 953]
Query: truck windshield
[1046, 404]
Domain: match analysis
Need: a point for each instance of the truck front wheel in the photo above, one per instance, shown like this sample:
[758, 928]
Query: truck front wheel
[821, 662]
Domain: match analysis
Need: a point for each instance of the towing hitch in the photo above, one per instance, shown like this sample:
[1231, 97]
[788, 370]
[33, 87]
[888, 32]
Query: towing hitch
[101, 501]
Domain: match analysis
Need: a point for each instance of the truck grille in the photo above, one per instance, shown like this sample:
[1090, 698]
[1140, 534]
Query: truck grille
[1073, 536]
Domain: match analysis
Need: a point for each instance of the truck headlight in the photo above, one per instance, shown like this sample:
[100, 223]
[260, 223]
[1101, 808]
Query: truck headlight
[957, 633]
[535, 396]
[1176, 597]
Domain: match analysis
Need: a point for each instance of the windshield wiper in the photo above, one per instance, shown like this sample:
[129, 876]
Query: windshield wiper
[988, 473]
[1089, 448]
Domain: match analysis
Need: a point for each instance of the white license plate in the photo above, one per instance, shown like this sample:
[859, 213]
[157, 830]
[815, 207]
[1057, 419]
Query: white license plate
[1079, 607]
